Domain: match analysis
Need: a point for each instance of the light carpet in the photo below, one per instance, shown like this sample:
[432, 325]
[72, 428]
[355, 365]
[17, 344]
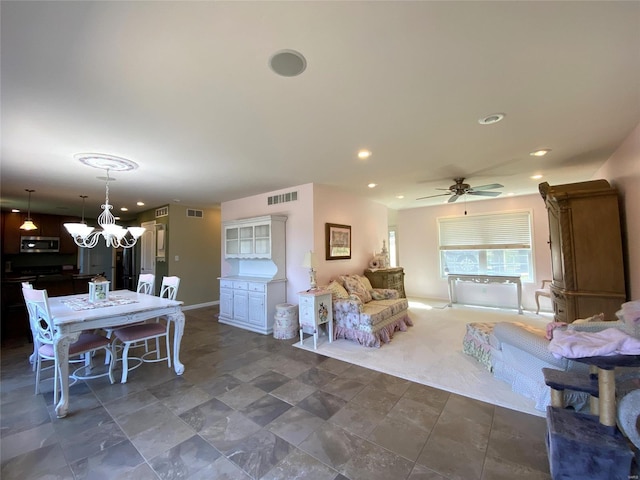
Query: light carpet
[430, 352]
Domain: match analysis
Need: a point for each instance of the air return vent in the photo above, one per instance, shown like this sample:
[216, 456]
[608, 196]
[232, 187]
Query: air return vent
[193, 213]
[282, 198]
[162, 212]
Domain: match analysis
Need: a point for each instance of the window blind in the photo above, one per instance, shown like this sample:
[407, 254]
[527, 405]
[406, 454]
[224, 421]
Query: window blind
[485, 232]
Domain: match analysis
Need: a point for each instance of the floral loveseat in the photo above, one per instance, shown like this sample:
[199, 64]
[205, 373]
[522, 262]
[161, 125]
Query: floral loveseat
[367, 315]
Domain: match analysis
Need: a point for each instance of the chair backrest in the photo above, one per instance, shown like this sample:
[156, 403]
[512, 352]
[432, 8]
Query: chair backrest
[37, 302]
[169, 287]
[26, 285]
[146, 282]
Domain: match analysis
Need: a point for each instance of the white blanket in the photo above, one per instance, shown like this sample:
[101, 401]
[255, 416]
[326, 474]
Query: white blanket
[611, 341]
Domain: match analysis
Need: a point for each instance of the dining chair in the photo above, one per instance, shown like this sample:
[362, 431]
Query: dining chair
[131, 335]
[34, 356]
[542, 292]
[146, 284]
[37, 302]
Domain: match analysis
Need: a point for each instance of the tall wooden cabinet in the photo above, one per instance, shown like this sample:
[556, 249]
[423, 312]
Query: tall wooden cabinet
[586, 249]
[254, 249]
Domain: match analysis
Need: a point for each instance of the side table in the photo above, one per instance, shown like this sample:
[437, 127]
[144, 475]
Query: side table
[315, 309]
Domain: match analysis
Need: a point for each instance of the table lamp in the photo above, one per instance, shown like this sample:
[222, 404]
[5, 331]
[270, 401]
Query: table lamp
[310, 263]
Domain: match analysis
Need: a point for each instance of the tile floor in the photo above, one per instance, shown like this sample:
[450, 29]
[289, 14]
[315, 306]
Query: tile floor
[252, 407]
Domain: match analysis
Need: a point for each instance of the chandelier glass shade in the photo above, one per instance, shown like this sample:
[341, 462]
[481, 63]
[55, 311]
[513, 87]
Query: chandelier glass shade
[28, 223]
[113, 234]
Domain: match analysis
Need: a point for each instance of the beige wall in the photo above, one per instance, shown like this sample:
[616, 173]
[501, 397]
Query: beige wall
[622, 170]
[193, 254]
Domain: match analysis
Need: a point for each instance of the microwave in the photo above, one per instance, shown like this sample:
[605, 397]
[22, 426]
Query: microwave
[39, 244]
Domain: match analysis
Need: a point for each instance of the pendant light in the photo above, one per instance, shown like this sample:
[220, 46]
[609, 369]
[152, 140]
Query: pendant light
[28, 223]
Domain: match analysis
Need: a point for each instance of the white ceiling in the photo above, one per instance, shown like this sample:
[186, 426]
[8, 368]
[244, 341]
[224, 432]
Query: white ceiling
[184, 89]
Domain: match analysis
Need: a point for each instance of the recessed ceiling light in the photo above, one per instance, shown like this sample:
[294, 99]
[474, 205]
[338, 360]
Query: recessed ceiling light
[490, 119]
[372, 185]
[140, 204]
[536, 177]
[364, 154]
[288, 63]
[124, 209]
[540, 153]
[400, 197]
[510, 194]
[15, 210]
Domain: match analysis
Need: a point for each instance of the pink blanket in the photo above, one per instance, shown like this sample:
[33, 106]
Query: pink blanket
[611, 341]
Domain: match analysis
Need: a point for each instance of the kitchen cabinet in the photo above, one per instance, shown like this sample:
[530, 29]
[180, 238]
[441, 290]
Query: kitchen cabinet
[387, 278]
[48, 226]
[585, 238]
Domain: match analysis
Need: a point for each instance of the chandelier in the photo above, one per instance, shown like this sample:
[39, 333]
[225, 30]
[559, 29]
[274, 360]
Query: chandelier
[114, 235]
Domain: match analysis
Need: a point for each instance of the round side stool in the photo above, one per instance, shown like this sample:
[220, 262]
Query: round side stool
[286, 321]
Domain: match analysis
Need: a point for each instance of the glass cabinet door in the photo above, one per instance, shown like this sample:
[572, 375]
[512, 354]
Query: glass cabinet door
[231, 241]
[262, 239]
[246, 240]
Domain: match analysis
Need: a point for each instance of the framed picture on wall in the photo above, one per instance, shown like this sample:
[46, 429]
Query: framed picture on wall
[338, 241]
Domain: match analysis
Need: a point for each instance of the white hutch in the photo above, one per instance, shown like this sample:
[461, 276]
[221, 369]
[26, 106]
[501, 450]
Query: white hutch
[255, 251]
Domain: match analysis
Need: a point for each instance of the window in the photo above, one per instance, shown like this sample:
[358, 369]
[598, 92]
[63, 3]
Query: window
[487, 244]
[393, 249]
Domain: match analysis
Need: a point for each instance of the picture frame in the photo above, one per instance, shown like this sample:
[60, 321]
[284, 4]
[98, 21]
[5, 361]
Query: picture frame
[338, 241]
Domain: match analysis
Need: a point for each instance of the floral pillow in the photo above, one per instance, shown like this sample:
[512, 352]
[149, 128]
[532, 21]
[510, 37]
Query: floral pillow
[337, 290]
[355, 287]
[365, 281]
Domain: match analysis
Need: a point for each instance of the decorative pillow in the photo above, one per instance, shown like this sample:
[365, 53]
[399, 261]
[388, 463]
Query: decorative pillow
[337, 290]
[365, 281]
[596, 318]
[354, 286]
[377, 295]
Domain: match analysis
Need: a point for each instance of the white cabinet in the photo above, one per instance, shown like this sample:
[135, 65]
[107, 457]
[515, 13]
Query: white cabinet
[250, 303]
[255, 280]
[258, 237]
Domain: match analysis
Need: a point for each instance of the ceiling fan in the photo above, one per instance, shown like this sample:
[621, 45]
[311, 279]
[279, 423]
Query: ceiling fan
[460, 188]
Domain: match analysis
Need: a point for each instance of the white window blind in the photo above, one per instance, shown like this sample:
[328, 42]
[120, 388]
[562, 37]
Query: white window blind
[495, 231]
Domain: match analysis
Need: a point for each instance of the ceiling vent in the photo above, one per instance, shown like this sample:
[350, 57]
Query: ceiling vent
[162, 212]
[282, 198]
[193, 213]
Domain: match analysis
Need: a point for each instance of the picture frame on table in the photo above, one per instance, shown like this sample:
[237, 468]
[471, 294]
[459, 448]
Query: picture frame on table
[338, 241]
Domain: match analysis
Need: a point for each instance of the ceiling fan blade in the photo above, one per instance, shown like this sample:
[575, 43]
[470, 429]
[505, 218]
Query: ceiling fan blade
[485, 194]
[431, 196]
[491, 186]
[453, 198]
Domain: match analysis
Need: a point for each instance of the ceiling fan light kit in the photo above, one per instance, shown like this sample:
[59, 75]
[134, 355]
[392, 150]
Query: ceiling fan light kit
[460, 188]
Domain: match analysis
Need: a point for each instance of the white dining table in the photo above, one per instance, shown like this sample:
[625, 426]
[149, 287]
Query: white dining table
[73, 314]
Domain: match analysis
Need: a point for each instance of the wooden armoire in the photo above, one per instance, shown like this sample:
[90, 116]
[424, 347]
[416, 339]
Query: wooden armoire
[586, 249]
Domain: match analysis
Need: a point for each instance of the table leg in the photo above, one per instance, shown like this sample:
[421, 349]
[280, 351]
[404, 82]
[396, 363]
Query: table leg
[61, 344]
[519, 287]
[178, 319]
[451, 291]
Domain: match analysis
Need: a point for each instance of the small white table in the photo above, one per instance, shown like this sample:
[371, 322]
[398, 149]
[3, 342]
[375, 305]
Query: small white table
[69, 323]
[453, 278]
[314, 310]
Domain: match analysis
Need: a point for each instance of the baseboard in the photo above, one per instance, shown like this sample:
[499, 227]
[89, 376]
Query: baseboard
[200, 305]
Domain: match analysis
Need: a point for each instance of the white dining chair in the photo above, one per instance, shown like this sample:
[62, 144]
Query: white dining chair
[37, 302]
[147, 331]
[542, 292]
[146, 284]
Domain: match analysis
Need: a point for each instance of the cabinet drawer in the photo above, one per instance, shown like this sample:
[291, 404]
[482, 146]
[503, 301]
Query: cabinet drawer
[256, 287]
[241, 285]
[226, 283]
[306, 301]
